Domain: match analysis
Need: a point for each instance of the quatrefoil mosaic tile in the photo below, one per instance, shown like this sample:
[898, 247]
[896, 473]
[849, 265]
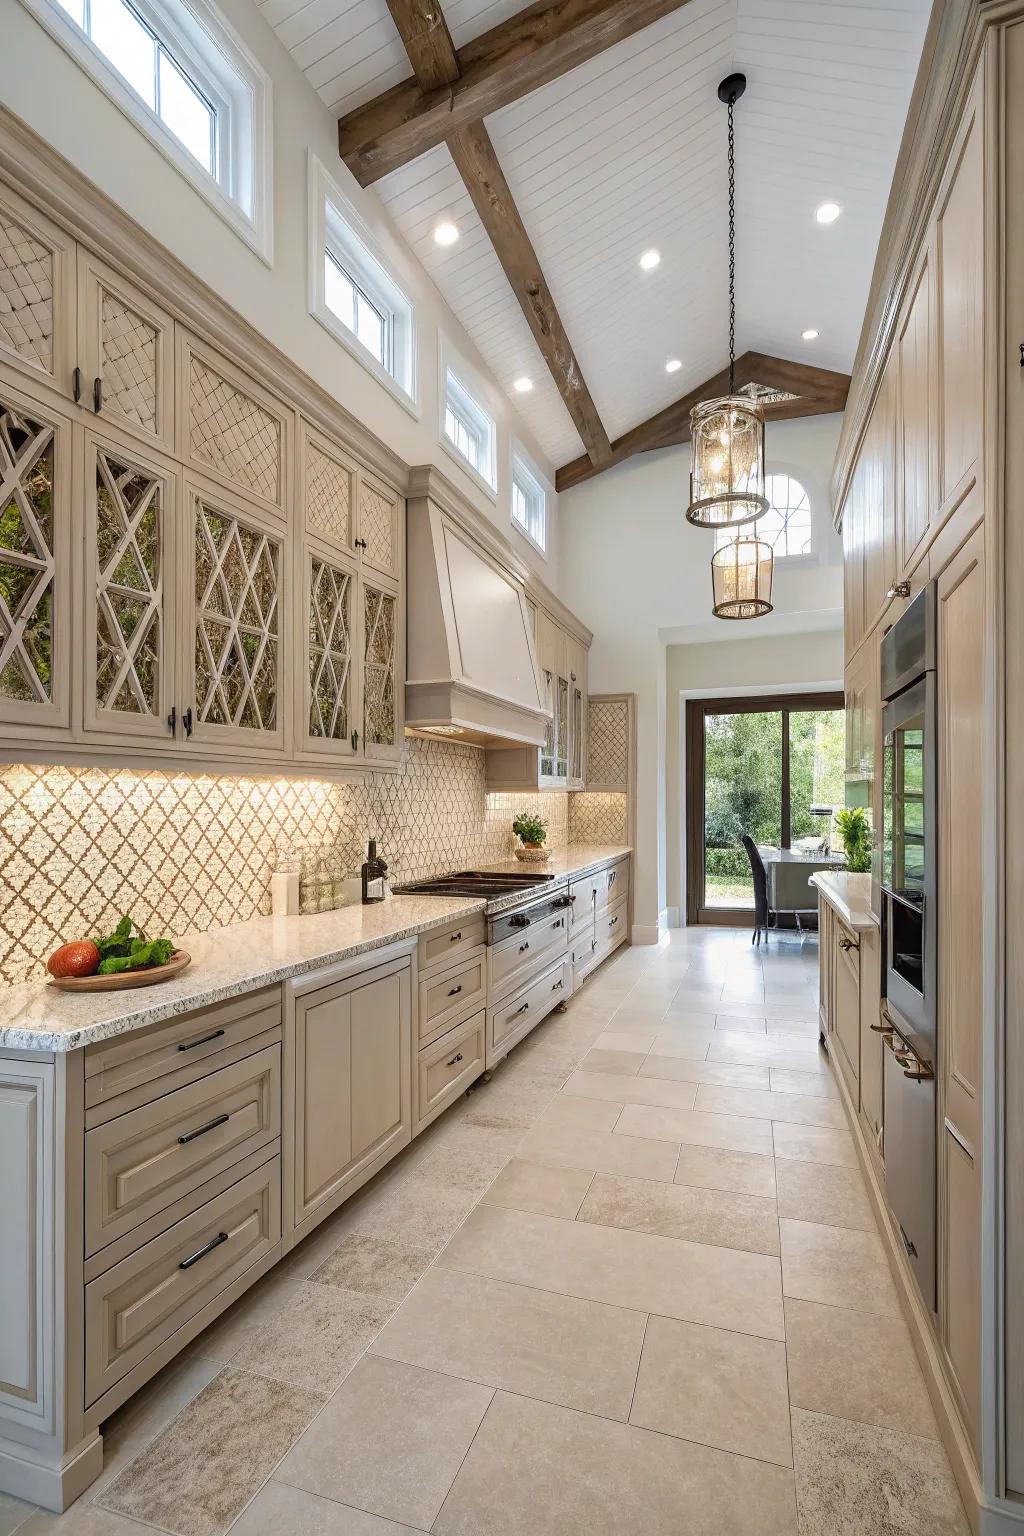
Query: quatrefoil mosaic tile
[80, 846]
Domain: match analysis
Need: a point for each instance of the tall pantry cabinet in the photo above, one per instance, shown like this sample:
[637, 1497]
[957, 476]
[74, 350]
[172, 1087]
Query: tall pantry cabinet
[927, 487]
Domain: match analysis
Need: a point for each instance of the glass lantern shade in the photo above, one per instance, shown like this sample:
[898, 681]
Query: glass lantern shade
[727, 473]
[741, 579]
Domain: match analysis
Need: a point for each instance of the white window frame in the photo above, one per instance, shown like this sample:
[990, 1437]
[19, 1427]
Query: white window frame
[469, 395]
[810, 556]
[208, 50]
[530, 481]
[337, 230]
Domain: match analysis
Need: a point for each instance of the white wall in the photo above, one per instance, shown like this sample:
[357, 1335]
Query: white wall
[639, 575]
[49, 91]
[796, 663]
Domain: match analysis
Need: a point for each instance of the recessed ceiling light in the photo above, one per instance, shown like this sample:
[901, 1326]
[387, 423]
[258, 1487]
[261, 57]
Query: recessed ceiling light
[522, 386]
[446, 233]
[673, 365]
[649, 260]
[827, 213]
[810, 335]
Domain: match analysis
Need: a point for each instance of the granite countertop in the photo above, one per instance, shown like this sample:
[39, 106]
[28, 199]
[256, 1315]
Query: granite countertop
[850, 895]
[566, 864]
[229, 961]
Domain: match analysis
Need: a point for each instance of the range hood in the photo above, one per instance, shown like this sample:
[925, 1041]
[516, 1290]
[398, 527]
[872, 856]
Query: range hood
[471, 668]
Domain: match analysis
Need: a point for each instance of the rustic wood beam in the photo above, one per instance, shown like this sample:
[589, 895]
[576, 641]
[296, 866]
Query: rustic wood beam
[424, 31]
[473, 153]
[533, 47]
[818, 392]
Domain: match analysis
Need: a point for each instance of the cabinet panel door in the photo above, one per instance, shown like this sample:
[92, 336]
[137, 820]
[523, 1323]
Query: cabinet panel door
[378, 525]
[380, 621]
[35, 562]
[914, 418]
[328, 492]
[846, 1009]
[130, 563]
[380, 1044]
[125, 352]
[853, 562]
[37, 294]
[878, 509]
[229, 427]
[323, 1082]
[960, 277]
[237, 622]
[327, 715]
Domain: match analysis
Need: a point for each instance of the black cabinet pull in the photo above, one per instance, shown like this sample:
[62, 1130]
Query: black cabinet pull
[524, 947]
[186, 721]
[76, 384]
[211, 1125]
[201, 1253]
[355, 740]
[97, 394]
[557, 987]
[612, 922]
[453, 938]
[360, 543]
[172, 720]
[455, 990]
[524, 1009]
[190, 1045]
[454, 1059]
[558, 924]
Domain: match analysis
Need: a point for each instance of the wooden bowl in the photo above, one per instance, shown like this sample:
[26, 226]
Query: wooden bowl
[532, 855]
[125, 979]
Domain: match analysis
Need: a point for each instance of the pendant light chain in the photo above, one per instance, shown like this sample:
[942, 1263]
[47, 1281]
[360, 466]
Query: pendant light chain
[732, 246]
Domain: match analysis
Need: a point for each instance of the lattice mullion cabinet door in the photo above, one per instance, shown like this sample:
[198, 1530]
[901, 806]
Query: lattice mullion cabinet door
[37, 296]
[230, 428]
[379, 525]
[132, 522]
[326, 716]
[328, 488]
[238, 627]
[36, 570]
[382, 677]
[126, 354]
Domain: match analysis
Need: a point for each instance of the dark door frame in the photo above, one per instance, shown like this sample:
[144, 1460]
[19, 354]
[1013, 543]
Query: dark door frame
[748, 704]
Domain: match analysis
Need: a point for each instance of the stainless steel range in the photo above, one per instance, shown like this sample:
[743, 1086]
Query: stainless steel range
[515, 900]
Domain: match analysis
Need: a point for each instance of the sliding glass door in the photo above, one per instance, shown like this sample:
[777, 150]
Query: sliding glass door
[771, 767]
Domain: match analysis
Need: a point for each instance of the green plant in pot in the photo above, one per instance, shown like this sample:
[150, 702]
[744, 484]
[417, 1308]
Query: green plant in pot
[855, 831]
[531, 831]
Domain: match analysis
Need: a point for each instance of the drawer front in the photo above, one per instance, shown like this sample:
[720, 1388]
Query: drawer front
[448, 1067]
[450, 995]
[443, 946]
[583, 891]
[514, 1018]
[142, 1059]
[610, 926]
[515, 960]
[143, 1161]
[140, 1302]
[612, 884]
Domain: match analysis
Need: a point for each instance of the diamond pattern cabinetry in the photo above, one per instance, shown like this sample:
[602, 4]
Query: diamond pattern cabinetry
[560, 763]
[177, 582]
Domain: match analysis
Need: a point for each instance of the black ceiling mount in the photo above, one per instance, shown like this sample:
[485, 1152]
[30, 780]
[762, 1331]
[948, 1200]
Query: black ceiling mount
[732, 88]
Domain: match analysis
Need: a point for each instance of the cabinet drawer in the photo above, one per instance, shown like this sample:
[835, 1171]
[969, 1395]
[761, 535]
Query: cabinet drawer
[516, 1016]
[610, 926]
[443, 946]
[611, 884]
[450, 995]
[144, 1299]
[583, 891]
[448, 1066]
[143, 1161]
[178, 1045]
[515, 960]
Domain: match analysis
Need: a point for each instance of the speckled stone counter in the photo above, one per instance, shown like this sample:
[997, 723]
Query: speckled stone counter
[565, 864]
[849, 895]
[225, 963]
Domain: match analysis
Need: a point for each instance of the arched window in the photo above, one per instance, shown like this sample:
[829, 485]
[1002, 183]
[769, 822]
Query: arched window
[786, 526]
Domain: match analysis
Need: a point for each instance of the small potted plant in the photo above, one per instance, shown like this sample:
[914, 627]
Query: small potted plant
[853, 827]
[532, 832]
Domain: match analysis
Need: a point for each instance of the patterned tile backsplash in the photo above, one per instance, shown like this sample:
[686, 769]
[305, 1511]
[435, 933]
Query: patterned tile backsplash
[598, 818]
[80, 846]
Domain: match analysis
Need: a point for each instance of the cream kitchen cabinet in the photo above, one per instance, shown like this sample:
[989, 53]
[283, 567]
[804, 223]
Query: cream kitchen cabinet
[348, 1102]
[562, 657]
[124, 372]
[37, 278]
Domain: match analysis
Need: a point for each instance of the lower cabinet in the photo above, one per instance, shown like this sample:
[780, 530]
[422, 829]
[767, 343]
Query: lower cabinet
[448, 1067]
[844, 1038]
[351, 1098]
[511, 1020]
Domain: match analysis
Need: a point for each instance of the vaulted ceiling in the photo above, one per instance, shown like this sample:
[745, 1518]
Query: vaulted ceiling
[626, 152]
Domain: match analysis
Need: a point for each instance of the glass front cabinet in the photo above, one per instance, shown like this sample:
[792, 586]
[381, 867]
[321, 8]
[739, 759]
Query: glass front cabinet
[563, 662]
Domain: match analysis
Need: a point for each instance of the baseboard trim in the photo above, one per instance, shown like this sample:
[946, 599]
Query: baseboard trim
[645, 933]
[673, 917]
[53, 1485]
[926, 1346]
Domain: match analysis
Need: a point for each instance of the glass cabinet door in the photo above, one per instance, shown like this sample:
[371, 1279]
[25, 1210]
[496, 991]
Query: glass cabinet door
[380, 691]
[549, 751]
[329, 715]
[562, 737]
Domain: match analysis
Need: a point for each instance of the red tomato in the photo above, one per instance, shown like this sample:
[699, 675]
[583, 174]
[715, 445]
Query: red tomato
[81, 958]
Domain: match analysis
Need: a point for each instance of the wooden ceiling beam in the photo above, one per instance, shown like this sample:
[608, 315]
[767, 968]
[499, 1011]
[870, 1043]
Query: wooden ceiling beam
[532, 48]
[818, 392]
[424, 31]
[473, 153]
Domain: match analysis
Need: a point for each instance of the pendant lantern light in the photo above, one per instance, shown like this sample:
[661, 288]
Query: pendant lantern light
[741, 578]
[727, 435]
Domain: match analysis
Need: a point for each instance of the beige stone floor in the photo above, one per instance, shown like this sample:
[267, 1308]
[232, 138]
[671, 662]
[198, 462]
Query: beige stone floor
[633, 1284]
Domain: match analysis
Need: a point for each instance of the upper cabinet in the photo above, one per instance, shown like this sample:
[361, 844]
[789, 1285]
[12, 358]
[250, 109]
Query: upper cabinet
[187, 566]
[562, 657]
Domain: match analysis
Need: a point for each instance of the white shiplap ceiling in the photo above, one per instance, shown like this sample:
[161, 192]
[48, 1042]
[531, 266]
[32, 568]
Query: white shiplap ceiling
[628, 152]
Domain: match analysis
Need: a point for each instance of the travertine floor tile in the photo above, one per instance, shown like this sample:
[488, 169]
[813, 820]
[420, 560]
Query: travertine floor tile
[278, 1510]
[748, 1173]
[631, 1090]
[550, 1191]
[621, 1063]
[82, 1519]
[634, 1041]
[860, 1480]
[590, 1477]
[723, 1389]
[837, 1266]
[751, 1022]
[716, 1216]
[835, 1197]
[374, 1266]
[819, 1084]
[138, 1422]
[856, 1367]
[318, 1337]
[684, 1069]
[13, 1513]
[583, 1354]
[676, 1278]
[567, 1112]
[424, 1211]
[229, 1439]
[607, 1151]
[768, 1050]
[812, 1144]
[795, 1108]
[390, 1441]
[737, 1132]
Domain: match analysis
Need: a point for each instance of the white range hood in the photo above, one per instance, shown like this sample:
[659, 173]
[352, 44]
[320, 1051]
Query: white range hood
[471, 667]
